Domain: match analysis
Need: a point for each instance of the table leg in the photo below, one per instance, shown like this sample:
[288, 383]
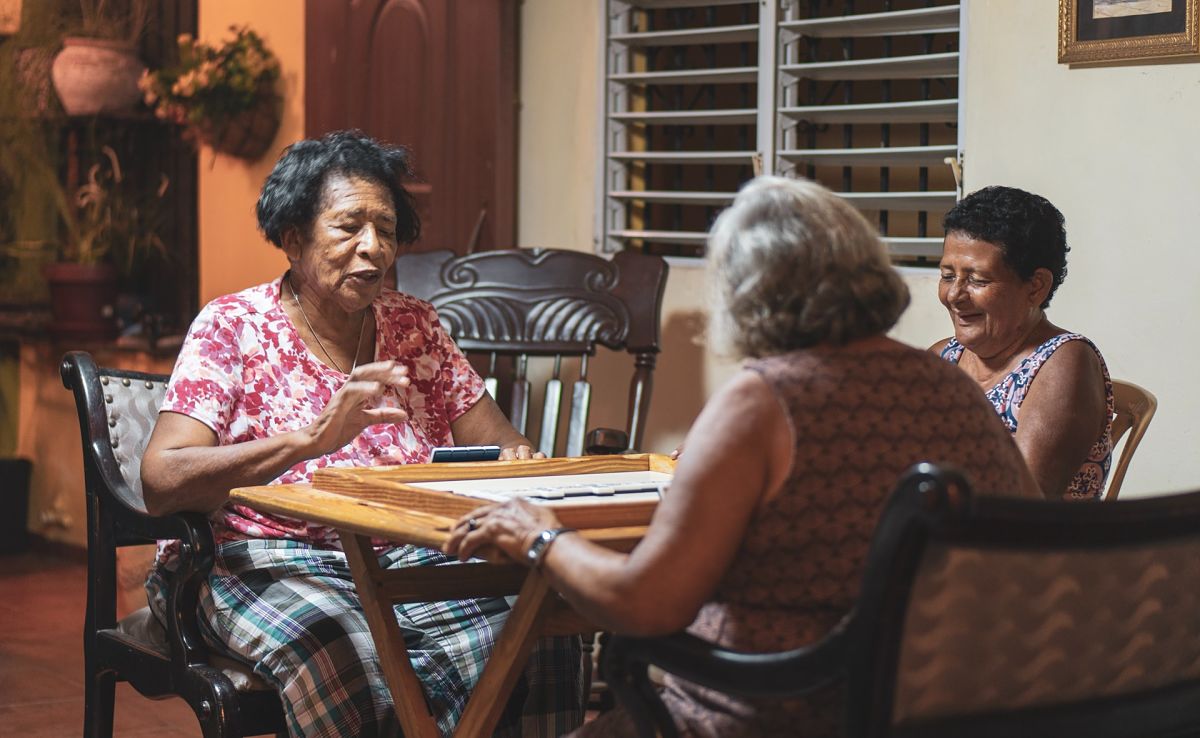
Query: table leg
[407, 692]
[508, 660]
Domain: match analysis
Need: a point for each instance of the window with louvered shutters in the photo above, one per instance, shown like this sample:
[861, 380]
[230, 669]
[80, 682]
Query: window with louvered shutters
[860, 95]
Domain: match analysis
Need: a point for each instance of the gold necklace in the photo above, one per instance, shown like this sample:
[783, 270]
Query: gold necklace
[357, 344]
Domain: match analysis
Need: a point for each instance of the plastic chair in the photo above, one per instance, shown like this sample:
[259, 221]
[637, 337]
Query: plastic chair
[985, 617]
[117, 410]
[1134, 408]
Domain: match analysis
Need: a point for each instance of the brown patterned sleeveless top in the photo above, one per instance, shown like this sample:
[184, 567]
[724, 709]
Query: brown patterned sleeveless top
[860, 419]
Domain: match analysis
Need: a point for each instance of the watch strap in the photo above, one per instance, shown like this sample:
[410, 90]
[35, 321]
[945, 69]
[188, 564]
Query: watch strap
[541, 544]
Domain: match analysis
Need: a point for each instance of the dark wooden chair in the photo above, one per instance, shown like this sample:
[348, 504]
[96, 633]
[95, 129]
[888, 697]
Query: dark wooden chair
[522, 303]
[117, 410]
[986, 617]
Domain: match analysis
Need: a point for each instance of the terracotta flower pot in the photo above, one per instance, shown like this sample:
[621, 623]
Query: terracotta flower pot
[82, 300]
[93, 75]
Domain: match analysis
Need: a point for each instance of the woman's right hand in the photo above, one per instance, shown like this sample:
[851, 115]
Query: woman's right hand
[357, 405]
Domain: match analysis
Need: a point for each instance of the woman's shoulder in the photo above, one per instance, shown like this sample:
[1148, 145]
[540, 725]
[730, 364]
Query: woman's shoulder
[867, 361]
[1069, 343]
[402, 302]
[941, 345]
[259, 299]
[1070, 355]
[400, 314]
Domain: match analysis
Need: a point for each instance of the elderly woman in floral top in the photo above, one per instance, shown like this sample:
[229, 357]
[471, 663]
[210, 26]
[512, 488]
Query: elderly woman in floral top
[325, 367]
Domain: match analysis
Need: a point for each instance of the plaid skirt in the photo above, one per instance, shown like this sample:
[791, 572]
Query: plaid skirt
[291, 612]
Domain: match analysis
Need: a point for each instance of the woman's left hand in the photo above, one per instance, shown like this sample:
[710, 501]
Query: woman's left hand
[510, 526]
[520, 451]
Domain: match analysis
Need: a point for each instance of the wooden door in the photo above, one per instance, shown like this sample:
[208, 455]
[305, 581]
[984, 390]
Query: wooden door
[438, 76]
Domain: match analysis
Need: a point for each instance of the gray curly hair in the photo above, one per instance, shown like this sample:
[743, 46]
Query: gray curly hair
[793, 265]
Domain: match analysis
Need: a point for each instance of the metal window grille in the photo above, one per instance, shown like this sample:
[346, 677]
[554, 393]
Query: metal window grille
[860, 95]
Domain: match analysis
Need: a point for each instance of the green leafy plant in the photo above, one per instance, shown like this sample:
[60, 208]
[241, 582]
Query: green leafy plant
[212, 84]
[119, 21]
[113, 218]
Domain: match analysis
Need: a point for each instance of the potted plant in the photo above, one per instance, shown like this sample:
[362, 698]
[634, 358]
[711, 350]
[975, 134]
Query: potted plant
[98, 68]
[224, 95]
[113, 226]
[32, 202]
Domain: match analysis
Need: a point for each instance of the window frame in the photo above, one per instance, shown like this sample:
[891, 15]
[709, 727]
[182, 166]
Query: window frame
[909, 250]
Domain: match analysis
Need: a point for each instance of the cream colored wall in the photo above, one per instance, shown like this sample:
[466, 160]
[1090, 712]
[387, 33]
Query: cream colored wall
[233, 254]
[1113, 147]
[557, 159]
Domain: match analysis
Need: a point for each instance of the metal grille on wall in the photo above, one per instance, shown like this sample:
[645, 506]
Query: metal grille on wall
[860, 95]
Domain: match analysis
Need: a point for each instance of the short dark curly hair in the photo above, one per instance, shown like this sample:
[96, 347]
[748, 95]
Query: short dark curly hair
[1028, 229]
[290, 195]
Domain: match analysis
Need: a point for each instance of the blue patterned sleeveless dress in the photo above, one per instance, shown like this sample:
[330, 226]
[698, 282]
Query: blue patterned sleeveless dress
[1008, 394]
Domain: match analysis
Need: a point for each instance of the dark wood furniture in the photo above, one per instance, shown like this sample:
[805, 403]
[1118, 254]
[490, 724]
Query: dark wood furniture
[520, 303]
[366, 503]
[986, 617]
[117, 410]
[437, 76]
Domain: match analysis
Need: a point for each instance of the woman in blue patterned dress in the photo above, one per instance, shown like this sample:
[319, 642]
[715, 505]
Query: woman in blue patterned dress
[1005, 255]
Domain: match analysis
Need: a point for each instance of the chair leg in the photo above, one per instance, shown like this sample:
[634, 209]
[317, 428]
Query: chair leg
[213, 699]
[100, 692]
[599, 696]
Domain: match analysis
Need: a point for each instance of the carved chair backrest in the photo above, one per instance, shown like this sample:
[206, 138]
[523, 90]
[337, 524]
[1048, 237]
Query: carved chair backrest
[522, 303]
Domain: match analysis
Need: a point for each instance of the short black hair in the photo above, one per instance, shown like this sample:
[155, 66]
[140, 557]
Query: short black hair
[1029, 230]
[289, 197]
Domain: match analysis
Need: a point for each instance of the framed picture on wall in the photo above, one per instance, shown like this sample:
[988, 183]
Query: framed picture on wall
[1091, 31]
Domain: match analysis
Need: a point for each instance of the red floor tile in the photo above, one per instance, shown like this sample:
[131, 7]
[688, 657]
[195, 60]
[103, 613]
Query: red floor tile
[42, 600]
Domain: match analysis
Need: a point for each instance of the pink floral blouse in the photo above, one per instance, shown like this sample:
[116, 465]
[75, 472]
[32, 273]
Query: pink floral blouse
[244, 372]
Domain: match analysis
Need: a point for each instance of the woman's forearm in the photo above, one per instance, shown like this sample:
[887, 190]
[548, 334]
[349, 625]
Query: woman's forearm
[198, 478]
[603, 586]
[185, 468]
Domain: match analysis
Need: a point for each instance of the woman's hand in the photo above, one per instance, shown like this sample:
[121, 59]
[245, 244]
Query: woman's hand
[510, 526]
[520, 451]
[357, 405]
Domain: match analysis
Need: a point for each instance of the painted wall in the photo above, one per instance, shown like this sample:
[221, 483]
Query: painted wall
[1112, 147]
[557, 178]
[233, 254]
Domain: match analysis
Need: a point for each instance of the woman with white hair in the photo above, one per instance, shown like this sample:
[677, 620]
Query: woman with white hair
[760, 542]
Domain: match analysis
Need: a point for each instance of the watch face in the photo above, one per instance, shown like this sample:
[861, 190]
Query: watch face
[535, 548]
[539, 544]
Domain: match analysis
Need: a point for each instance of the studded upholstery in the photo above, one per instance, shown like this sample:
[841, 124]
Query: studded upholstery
[132, 409]
[117, 412]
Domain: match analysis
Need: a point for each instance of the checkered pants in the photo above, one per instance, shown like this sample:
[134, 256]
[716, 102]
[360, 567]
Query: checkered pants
[291, 611]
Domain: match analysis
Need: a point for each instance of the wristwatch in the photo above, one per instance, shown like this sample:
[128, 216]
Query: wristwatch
[541, 544]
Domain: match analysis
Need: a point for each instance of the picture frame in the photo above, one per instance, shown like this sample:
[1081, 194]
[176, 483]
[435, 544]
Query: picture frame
[1098, 31]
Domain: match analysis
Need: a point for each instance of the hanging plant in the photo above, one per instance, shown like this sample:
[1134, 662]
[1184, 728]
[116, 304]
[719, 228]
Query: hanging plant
[224, 95]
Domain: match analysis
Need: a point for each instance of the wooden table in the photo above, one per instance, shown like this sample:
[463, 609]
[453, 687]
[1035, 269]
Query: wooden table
[377, 502]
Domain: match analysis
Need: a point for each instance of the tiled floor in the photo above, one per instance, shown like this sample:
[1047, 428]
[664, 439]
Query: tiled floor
[42, 598]
[41, 657]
